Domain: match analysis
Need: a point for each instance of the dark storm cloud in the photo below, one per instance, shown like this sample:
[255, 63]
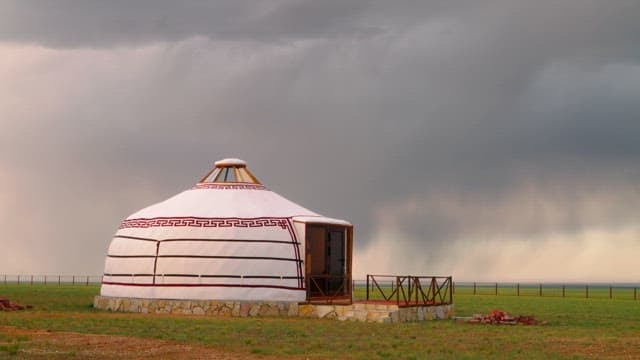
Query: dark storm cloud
[446, 119]
[70, 23]
[97, 23]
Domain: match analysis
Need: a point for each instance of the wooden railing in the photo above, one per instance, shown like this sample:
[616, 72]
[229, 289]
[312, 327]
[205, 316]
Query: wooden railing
[410, 290]
[329, 288]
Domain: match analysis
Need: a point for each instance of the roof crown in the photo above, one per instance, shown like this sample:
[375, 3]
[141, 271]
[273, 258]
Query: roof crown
[230, 170]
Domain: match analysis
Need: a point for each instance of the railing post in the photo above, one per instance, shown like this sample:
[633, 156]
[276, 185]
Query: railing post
[367, 287]
[474, 288]
[398, 292]
[451, 290]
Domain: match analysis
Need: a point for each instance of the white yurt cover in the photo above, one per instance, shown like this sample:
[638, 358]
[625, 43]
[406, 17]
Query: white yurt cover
[226, 238]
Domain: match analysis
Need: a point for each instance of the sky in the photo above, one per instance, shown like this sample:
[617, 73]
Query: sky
[492, 140]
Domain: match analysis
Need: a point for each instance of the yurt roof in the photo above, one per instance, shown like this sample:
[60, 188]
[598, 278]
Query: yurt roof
[230, 190]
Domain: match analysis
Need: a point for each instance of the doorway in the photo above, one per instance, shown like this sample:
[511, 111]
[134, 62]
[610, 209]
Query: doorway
[328, 262]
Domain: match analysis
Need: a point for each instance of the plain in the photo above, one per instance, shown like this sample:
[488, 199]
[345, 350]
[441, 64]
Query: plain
[576, 328]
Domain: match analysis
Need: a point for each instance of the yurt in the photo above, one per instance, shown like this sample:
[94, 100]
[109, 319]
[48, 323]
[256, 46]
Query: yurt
[229, 238]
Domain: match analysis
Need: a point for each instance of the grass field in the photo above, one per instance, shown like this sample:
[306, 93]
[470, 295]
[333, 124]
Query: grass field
[577, 328]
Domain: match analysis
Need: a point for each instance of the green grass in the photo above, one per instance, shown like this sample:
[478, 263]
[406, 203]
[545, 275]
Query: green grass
[578, 328]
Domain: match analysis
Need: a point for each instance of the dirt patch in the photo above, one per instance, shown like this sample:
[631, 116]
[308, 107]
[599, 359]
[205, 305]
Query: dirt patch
[597, 348]
[43, 344]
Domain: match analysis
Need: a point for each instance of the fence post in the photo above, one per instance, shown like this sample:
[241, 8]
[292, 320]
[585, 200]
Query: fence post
[562, 290]
[610, 292]
[5, 279]
[18, 279]
[496, 289]
[58, 280]
[73, 280]
[540, 290]
[31, 281]
[450, 292]
[474, 288]
[367, 286]
[635, 293]
[587, 290]
[45, 279]
[517, 289]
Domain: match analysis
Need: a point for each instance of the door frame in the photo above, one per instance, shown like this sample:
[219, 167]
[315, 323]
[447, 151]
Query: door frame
[345, 295]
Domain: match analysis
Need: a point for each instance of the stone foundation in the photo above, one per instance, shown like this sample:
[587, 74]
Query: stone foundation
[383, 313]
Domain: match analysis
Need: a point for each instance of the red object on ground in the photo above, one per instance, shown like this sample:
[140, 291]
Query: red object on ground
[497, 317]
[6, 305]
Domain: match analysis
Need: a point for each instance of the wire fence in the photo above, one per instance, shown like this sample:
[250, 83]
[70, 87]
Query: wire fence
[85, 280]
[620, 291]
[565, 290]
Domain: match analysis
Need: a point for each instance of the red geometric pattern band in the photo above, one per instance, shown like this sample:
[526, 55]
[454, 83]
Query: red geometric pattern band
[204, 222]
